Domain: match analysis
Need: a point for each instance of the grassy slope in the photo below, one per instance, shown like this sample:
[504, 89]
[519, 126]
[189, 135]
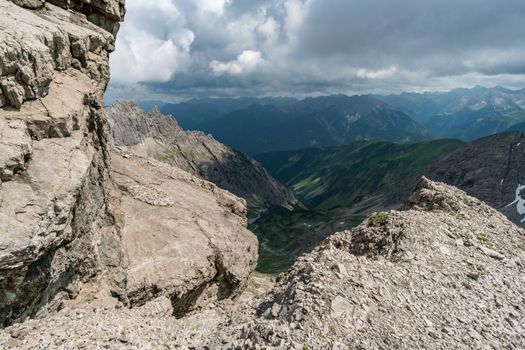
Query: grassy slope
[343, 176]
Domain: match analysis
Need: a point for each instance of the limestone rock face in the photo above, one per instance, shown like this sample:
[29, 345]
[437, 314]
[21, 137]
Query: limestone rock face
[54, 163]
[75, 225]
[158, 136]
[182, 237]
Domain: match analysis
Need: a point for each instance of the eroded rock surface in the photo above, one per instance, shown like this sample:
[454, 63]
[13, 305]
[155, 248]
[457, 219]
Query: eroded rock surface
[53, 161]
[158, 136]
[182, 237]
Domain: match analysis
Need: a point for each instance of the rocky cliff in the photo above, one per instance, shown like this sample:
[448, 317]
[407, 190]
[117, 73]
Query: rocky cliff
[78, 224]
[53, 160]
[158, 136]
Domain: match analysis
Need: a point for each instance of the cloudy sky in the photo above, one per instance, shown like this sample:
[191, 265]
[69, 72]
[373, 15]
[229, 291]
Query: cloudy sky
[177, 49]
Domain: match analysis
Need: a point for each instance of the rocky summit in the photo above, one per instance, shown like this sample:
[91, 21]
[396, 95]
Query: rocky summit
[445, 272]
[159, 136]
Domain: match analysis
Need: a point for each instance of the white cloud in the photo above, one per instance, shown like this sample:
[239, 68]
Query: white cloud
[247, 61]
[364, 73]
[215, 7]
[211, 47]
[153, 43]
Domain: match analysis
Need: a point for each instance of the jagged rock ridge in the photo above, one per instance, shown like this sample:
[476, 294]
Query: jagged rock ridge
[158, 136]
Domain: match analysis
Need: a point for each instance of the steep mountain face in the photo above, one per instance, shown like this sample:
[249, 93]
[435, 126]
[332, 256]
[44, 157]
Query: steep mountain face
[490, 169]
[81, 226]
[372, 172]
[467, 114]
[322, 121]
[158, 136]
[53, 160]
[444, 272]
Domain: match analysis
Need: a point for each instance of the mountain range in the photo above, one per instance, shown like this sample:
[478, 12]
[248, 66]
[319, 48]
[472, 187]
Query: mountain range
[467, 114]
[287, 124]
[272, 124]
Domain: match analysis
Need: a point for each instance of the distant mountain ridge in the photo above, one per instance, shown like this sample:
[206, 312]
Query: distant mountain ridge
[158, 136]
[467, 114]
[272, 124]
[193, 113]
[322, 121]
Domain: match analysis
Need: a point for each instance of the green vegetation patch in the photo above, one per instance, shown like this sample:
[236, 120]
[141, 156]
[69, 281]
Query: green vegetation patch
[378, 219]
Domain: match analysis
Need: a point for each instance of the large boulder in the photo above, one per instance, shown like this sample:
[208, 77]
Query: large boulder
[182, 237]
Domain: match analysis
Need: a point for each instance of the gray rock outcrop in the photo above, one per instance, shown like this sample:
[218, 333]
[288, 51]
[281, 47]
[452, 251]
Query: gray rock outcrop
[160, 137]
[54, 165]
[76, 223]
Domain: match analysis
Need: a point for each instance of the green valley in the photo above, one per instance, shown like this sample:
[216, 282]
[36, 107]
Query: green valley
[326, 178]
[338, 187]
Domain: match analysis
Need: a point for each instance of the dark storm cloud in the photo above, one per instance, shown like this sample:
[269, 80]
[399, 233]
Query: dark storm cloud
[184, 48]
